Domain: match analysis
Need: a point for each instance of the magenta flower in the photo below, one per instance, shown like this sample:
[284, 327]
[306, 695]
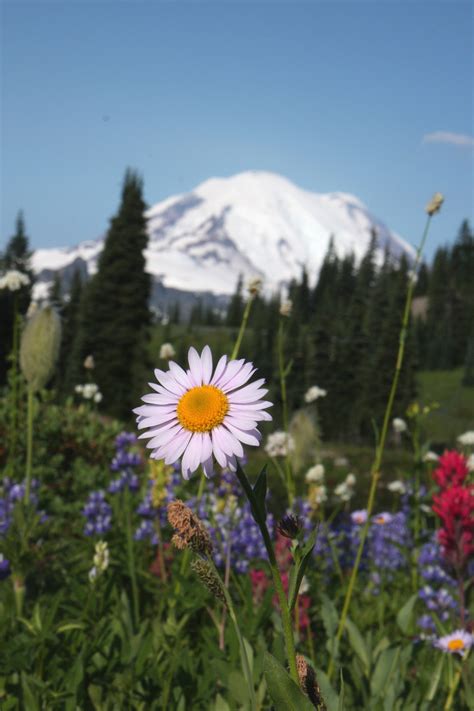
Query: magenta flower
[201, 413]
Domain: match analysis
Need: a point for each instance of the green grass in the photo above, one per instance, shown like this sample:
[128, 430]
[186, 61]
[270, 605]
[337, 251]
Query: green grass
[455, 414]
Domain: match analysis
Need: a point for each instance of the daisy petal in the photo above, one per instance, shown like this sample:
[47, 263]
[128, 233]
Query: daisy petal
[206, 362]
[195, 365]
[220, 367]
[251, 437]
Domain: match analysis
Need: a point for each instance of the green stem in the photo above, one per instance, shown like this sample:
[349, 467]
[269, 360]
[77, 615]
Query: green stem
[14, 382]
[29, 444]
[243, 652]
[243, 326]
[290, 484]
[131, 555]
[375, 471]
[285, 612]
[454, 683]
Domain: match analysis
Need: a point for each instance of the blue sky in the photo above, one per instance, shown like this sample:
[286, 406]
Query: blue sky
[362, 97]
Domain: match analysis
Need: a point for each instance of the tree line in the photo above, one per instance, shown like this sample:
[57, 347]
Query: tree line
[342, 333]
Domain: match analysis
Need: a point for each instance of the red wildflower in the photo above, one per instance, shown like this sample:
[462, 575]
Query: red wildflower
[455, 507]
[452, 469]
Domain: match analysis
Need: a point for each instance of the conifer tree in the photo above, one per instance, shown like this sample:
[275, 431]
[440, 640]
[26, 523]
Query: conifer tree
[115, 316]
[236, 306]
[16, 257]
[69, 370]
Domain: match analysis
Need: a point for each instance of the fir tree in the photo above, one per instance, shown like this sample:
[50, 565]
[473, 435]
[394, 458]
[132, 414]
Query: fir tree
[236, 306]
[16, 257]
[114, 313]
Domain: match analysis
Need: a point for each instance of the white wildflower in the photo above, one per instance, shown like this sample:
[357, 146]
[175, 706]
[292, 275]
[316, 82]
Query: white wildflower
[255, 286]
[101, 560]
[89, 390]
[318, 495]
[341, 462]
[279, 444]
[286, 307]
[350, 480]
[313, 393]
[167, 351]
[98, 397]
[399, 425]
[14, 280]
[89, 363]
[397, 487]
[315, 475]
[467, 439]
[79, 389]
[430, 457]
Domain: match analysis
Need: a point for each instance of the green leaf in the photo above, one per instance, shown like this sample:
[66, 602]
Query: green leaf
[330, 696]
[406, 615]
[358, 645]
[384, 670]
[70, 626]
[220, 704]
[260, 492]
[435, 679]
[340, 705]
[285, 693]
[238, 688]
[303, 554]
[29, 698]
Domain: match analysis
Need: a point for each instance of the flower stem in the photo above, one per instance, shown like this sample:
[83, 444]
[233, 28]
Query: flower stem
[243, 652]
[243, 326]
[285, 612]
[14, 382]
[375, 470]
[29, 444]
[290, 484]
[131, 555]
[456, 678]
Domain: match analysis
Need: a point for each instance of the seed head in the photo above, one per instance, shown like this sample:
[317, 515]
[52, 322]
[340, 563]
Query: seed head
[39, 347]
[289, 526]
[190, 531]
[208, 577]
[434, 204]
[308, 683]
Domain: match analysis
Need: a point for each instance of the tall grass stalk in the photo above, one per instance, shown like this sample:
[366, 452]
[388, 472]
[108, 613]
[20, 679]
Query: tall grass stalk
[14, 383]
[283, 372]
[243, 326]
[375, 469]
[29, 443]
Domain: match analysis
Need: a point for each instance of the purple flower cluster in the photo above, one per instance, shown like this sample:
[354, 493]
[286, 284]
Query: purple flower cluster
[124, 462]
[12, 493]
[98, 514]
[146, 531]
[438, 591]
[234, 533]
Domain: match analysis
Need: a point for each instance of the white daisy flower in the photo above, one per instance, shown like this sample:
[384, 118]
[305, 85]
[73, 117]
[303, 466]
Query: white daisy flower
[456, 642]
[201, 413]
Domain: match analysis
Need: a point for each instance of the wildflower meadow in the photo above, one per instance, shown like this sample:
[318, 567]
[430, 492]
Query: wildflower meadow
[204, 549]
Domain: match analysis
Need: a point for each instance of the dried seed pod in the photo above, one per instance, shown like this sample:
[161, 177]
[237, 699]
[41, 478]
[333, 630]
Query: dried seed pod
[190, 531]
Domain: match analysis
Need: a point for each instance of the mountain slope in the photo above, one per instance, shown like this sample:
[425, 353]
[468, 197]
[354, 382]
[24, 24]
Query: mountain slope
[253, 223]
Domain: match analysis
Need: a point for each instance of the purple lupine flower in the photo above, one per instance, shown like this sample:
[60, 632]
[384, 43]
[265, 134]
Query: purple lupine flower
[12, 494]
[98, 514]
[4, 567]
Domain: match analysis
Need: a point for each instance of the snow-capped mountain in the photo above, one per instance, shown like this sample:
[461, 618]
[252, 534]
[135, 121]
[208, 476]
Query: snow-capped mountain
[254, 223]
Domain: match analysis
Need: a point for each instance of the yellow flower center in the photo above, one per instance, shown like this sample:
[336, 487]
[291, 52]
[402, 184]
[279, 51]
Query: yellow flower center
[203, 408]
[455, 644]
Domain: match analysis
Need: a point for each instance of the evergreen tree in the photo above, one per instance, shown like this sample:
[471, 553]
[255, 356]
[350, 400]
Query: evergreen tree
[16, 257]
[114, 315]
[236, 306]
[70, 372]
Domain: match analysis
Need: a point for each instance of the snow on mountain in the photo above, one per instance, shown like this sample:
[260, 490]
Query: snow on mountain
[254, 223]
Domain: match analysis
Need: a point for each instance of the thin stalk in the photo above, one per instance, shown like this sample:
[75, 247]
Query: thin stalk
[131, 555]
[161, 556]
[375, 470]
[243, 652]
[29, 443]
[454, 683]
[226, 585]
[243, 326]
[14, 381]
[285, 612]
[290, 484]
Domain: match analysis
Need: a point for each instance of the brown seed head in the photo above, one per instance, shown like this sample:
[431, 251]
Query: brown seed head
[434, 204]
[208, 577]
[308, 683]
[190, 531]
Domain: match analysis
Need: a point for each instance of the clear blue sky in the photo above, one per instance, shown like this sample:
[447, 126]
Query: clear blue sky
[348, 96]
